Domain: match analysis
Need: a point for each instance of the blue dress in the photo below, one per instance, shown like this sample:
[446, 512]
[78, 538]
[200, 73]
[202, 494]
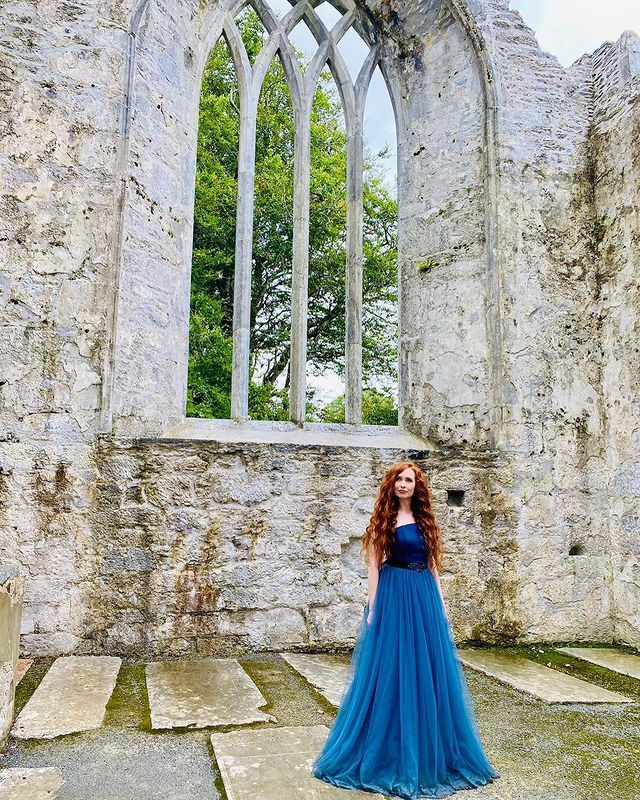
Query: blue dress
[406, 723]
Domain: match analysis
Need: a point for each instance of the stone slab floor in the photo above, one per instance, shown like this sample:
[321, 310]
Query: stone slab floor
[566, 751]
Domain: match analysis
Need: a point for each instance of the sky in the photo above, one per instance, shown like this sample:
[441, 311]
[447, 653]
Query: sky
[570, 28]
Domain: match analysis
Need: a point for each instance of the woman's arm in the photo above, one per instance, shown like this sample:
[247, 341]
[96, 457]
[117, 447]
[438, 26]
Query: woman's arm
[434, 572]
[372, 580]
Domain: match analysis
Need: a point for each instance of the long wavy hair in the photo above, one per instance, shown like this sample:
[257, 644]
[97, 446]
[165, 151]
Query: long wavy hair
[380, 532]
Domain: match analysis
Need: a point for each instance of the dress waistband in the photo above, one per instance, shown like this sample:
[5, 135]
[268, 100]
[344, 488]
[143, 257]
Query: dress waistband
[418, 566]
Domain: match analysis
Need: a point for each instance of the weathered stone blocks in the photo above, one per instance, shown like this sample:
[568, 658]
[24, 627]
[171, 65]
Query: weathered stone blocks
[11, 593]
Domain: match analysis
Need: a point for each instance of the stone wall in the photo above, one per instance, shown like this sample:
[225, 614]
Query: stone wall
[615, 143]
[445, 375]
[214, 548]
[501, 332]
[148, 381]
[518, 191]
[548, 379]
[206, 547]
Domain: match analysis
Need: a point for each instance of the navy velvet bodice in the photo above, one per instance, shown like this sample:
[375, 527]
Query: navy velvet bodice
[408, 544]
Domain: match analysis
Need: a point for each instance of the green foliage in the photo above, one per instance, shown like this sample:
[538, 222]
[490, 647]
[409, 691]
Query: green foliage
[209, 382]
[210, 352]
[268, 403]
[378, 408]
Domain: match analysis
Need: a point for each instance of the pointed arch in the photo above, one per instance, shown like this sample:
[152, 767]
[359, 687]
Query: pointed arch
[302, 87]
[154, 291]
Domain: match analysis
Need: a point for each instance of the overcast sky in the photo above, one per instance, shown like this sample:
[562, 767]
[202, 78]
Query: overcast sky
[570, 28]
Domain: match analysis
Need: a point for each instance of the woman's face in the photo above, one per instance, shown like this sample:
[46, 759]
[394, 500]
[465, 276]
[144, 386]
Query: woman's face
[405, 483]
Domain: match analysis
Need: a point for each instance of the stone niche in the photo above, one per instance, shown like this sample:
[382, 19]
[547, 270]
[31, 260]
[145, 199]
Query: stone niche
[139, 531]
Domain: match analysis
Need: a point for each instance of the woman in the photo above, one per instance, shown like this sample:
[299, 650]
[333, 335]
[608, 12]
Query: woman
[406, 724]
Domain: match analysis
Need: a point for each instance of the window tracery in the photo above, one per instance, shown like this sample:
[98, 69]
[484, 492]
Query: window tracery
[302, 85]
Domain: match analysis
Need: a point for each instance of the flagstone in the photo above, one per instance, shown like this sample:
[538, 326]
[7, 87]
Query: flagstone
[609, 657]
[328, 673]
[202, 693]
[275, 764]
[29, 784]
[548, 684]
[71, 697]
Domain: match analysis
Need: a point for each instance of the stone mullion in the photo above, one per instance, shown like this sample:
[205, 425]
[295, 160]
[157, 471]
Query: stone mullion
[353, 332]
[300, 271]
[243, 254]
[354, 115]
[249, 83]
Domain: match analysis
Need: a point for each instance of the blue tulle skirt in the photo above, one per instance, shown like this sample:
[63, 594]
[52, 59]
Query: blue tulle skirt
[406, 723]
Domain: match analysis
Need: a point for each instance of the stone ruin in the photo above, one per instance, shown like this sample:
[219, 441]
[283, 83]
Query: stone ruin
[139, 531]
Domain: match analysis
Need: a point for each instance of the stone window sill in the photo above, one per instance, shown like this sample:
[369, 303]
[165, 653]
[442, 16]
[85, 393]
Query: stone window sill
[311, 433]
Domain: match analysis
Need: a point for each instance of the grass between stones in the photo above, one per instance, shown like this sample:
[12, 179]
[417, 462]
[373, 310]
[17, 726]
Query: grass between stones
[128, 706]
[601, 676]
[556, 751]
[570, 751]
[31, 681]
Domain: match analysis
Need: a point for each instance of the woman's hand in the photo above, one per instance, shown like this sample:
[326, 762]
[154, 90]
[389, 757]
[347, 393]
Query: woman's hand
[370, 617]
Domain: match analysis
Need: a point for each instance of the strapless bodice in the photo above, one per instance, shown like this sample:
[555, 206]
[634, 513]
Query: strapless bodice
[408, 544]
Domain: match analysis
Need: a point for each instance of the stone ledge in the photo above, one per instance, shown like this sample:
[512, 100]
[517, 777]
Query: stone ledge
[310, 434]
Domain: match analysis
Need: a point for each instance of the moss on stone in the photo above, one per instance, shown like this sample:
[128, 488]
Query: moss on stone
[30, 681]
[555, 751]
[547, 655]
[427, 265]
[292, 700]
[563, 750]
[128, 706]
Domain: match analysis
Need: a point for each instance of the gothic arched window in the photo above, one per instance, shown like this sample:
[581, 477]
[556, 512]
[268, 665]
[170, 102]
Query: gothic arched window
[302, 85]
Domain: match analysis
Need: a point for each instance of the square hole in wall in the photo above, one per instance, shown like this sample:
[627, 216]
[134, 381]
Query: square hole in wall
[455, 498]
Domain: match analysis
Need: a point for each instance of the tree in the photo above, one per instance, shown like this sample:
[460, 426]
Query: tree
[378, 408]
[214, 242]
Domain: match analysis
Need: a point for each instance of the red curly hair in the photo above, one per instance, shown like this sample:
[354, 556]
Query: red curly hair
[380, 531]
